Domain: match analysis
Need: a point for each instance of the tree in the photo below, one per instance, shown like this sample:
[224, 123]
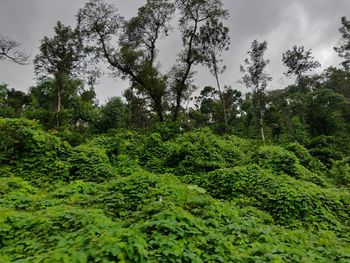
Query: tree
[215, 40]
[78, 104]
[61, 57]
[135, 55]
[9, 50]
[198, 17]
[256, 78]
[343, 49]
[138, 112]
[113, 115]
[326, 112]
[299, 61]
[12, 102]
[337, 80]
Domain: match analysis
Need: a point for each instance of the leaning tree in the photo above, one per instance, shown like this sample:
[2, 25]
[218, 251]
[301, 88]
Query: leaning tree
[130, 47]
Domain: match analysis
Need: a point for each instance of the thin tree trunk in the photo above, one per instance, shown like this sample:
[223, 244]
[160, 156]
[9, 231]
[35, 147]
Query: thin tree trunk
[261, 123]
[222, 101]
[158, 108]
[178, 106]
[59, 86]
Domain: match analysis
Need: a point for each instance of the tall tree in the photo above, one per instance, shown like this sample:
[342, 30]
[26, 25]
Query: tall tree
[256, 78]
[198, 17]
[343, 49]
[215, 40]
[299, 61]
[61, 57]
[9, 50]
[135, 56]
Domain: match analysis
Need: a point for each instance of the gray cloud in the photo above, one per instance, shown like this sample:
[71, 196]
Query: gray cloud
[312, 23]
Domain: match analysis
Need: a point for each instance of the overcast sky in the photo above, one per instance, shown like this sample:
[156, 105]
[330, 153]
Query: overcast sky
[282, 23]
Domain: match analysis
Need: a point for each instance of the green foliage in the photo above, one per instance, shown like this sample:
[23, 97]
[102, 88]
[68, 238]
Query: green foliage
[60, 203]
[201, 151]
[305, 158]
[113, 115]
[89, 163]
[147, 218]
[325, 149]
[277, 159]
[289, 201]
[33, 153]
[341, 172]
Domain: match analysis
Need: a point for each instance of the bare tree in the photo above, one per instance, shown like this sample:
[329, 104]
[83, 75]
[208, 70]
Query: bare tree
[9, 51]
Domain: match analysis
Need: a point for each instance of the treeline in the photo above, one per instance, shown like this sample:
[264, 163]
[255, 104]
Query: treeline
[64, 98]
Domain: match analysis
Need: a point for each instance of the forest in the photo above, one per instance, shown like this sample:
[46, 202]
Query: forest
[170, 171]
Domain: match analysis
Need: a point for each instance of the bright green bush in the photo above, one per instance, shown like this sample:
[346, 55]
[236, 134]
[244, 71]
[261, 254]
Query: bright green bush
[276, 159]
[150, 218]
[118, 142]
[90, 163]
[65, 204]
[305, 158]
[201, 151]
[291, 202]
[32, 153]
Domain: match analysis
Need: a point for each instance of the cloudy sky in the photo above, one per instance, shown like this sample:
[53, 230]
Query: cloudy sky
[282, 23]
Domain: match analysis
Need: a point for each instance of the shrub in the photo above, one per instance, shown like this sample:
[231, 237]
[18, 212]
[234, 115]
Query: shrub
[89, 163]
[289, 201]
[32, 153]
[201, 151]
[305, 158]
[277, 159]
[341, 172]
[325, 149]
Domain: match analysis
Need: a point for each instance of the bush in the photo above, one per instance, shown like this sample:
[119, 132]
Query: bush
[289, 201]
[341, 172]
[277, 159]
[32, 153]
[201, 151]
[325, 149]
[305, 158]
[150, 218]
[89, 163]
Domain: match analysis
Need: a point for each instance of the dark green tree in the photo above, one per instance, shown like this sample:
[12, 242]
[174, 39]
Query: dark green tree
[113, 115]
[299, 62]
[337, 80]
[12, 102]
[61, 57]
[134, 57]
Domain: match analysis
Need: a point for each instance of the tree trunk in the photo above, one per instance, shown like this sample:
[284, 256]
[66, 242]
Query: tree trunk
[261, 123]
[158, 108]
[59, 87]
[222, 102]
[177, 106]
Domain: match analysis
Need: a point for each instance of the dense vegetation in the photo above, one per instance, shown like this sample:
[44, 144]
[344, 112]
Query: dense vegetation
[193, 197]
[257, 177]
